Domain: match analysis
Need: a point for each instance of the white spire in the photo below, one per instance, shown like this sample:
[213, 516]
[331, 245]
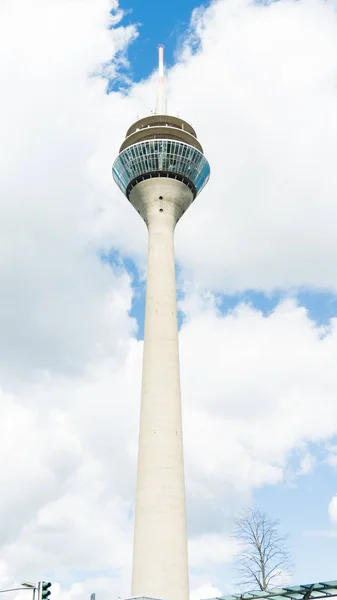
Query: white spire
[161, 107]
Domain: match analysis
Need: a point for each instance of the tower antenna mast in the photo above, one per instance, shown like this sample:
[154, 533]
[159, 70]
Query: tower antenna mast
[161, 107]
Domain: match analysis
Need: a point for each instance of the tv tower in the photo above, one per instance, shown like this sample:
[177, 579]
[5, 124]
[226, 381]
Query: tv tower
[160, 169]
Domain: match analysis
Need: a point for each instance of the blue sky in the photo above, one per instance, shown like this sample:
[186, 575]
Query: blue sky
[300, 505]
[142, 57]
[301, 510]
[257, 271]
[163, 24]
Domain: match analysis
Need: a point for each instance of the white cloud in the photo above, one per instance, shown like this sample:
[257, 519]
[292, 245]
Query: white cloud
[66, 344]
[265, 220]
[71, 492]
[211, 549]
[307, 463]
[272, 92]
[68, 489]
[56, 295]
[69, 364]
[265, 114]
[205, 591]
[331, 458]
[333, 510]
[262, 94]
[269, 390]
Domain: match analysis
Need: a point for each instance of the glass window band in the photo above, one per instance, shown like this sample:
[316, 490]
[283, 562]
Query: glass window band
[160, 157]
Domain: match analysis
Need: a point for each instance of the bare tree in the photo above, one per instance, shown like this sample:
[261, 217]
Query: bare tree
[264, 555]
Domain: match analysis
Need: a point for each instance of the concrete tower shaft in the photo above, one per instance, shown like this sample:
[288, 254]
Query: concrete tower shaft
[161, 169]
[161, 195]
[160, 565]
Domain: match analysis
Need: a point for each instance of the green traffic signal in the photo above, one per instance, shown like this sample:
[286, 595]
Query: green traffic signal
[45, 591]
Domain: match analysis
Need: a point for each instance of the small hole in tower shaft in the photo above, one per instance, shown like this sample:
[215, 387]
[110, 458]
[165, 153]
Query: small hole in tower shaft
[161, 210]
[160, 197]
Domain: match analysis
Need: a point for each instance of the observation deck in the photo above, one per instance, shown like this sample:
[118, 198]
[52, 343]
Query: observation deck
[161, 146]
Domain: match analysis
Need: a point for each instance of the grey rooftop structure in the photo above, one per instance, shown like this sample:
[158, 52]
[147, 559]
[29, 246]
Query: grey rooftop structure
[308, 591]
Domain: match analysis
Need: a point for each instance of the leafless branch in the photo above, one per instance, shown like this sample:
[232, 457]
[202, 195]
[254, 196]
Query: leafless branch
[264, 553]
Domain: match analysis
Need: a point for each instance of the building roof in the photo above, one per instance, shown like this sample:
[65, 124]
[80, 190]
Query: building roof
[153, 120]
[161, 133]
[326, 589]
[161, 127]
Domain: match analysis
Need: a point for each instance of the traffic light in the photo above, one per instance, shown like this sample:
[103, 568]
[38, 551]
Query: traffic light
[44, 590]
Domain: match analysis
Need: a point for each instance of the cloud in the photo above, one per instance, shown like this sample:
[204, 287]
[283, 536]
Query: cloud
[211, 549]
[331, 455]
[265, 220]
[73, 445]
[333, 510]
[265, 114]
[70, 484]
[205, 591]
[70, 366]
[66, 334]
[244, 419]
[269, 207]
[57, 296]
